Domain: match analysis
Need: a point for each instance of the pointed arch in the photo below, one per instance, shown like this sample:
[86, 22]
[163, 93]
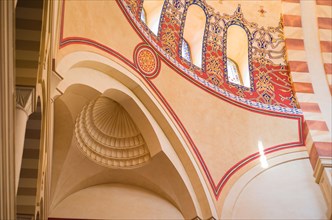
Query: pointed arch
[233, 71]
[237, 52]
[193, 33]
[117, 83]
[185, 53]
[294, 167]
[143, 15]
[150, 14]
[108, 200]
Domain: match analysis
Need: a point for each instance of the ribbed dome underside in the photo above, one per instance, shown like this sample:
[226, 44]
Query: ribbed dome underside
[107, 135]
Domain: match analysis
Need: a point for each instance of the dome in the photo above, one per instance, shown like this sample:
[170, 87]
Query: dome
[107, 135]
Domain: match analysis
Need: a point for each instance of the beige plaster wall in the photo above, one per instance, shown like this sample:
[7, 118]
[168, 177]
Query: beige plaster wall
[223, 133]
[115, 201]
[251, 10]
[284, 191]
[112, 30]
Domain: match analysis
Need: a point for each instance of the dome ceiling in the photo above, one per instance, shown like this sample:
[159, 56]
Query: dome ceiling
[264, 13]
[251, 9]
[107, 135]
[270, 92]
[264, 65]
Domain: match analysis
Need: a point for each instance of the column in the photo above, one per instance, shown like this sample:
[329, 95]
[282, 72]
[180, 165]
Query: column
[24, 107]
[320, 125]
[7, 81]
[310, 87]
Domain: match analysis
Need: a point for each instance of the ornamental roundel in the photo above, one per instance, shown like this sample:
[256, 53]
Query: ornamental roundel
[147, 61]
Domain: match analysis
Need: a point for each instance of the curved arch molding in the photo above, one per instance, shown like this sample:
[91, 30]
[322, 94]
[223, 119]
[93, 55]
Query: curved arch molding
[148, 69]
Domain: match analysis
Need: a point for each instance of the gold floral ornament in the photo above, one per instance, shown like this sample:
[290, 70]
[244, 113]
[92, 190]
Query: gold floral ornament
[146, 61]
[261, 11]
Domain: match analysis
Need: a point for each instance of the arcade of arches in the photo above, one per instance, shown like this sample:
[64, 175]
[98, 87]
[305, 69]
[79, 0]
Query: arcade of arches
[171, 109]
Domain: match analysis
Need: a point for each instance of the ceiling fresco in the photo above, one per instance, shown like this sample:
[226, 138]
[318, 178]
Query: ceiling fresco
[269, 75]
[268, 104]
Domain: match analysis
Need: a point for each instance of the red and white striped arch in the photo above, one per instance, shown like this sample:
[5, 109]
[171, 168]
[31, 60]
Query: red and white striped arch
[324, 21]
[317, 133]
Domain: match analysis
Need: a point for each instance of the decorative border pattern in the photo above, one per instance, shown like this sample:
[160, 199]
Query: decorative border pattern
[269, 75]
[294, 114]
[193, 75]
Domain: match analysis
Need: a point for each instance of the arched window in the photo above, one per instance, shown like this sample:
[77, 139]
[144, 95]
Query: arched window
[185, 51]
[151, 13]
[237, 56]
[143, 15]
[194, 33]
[233, 72]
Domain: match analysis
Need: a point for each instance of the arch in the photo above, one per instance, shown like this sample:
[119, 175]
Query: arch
[37, 216]
[233, 71]
[68, 159]
[116, 201]
[143, 15]
[114, 81]
[288, 177]
[152, 12]
[193, 33]
[185, 53]
[237, 51]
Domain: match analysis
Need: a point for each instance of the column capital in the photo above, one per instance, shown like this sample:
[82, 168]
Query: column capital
[25, 99]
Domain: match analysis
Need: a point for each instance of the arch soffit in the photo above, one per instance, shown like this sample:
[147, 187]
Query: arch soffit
[114, 188]
[241, 183]
[119, 84]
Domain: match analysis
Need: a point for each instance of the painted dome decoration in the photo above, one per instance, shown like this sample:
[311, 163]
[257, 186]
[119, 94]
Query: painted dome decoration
[214, 35]
[107, 135]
